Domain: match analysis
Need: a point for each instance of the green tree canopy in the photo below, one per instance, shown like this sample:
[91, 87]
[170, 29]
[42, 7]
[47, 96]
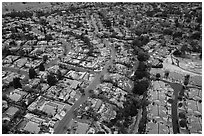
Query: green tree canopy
[143, 56]
[51, 79]
[141, 86]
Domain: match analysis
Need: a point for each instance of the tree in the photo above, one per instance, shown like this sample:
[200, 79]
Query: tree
[177, 34]
[186, 80]
[144, 39]
[5, 128]
[82, 91]
[177, 53]
[183, 123]
[133, 110]
[150, 13]
[136, 50]
[86, 32]
[142, 66]
[14, 29]
[100, 132]
[136, 42]
[140, 87]
[59, 74]
[4, 97]
[167, 31]
[143, 56]
[32, 73]
[141, 74]
[196, 35]
[182, 115]
[196, 46]
[48, 37]
[158, 76]
[86, 40]
[184, 48]
[112, 122]
[5, 50]
[91, 92]
[41, 67]
[177, 23]
[43, 22]
[17, 83]
[108, 23]
[166, 73]
[51, 79]
[12, 43]
[45, 58]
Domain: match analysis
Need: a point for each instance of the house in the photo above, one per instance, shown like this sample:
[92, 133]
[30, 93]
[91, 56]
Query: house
[20, 62]
[98, 104]
[88, 77]
[91, 131]
[75, 84]
[82, 128]
[50, 108]
[10, 113]
[10, 58]
[4, 104]
[32, 127]
[17, 95]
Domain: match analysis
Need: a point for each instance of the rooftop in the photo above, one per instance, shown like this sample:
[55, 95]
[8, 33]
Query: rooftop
[11, 111]
[32, 127]
[82, 128]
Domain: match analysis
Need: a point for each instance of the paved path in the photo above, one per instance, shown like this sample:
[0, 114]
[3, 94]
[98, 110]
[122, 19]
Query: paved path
[167, 64]
[174, 114]
[63, 124]
[195, 79]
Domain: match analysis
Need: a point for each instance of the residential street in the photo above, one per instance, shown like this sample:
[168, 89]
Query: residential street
[102, 68]
[62, 126]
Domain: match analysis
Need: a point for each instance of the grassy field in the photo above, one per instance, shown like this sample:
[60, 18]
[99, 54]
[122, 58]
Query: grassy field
[19, 6]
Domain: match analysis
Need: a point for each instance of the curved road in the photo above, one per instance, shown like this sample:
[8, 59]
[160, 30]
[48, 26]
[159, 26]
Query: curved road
[60, 129]
[168, 63]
